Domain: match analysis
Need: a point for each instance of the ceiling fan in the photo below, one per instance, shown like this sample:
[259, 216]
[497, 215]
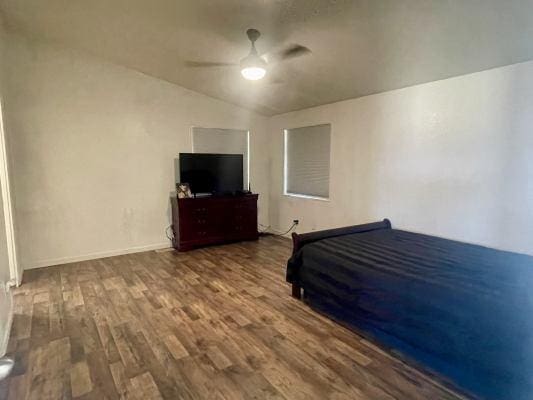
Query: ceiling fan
[254, 66]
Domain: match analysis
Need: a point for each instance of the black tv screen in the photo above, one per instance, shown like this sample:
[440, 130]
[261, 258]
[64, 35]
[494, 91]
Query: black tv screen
[212, 173]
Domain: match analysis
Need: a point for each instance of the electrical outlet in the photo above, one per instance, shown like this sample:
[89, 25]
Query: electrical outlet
[295, 221]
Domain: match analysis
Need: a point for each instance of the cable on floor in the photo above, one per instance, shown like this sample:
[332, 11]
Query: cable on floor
[277, 233]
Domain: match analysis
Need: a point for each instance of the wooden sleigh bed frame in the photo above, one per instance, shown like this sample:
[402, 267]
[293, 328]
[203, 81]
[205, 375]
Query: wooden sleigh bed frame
[459, 311]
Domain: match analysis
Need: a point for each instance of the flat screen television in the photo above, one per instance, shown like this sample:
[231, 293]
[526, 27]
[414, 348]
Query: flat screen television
[212, 173]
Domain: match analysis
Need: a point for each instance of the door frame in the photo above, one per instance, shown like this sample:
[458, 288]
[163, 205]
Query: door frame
[5, 184]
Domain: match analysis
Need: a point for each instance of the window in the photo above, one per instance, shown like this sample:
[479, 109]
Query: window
[223, 141]
[307, 161]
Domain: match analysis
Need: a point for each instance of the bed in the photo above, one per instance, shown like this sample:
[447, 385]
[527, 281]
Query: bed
[461, 311]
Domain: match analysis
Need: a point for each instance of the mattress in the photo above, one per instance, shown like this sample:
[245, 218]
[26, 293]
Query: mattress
[462, 311]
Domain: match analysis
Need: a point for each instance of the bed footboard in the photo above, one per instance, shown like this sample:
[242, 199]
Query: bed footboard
[299, 240]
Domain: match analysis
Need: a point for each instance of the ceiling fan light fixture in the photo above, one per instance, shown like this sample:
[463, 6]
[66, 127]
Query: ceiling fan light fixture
[253, 67]
[253, 73]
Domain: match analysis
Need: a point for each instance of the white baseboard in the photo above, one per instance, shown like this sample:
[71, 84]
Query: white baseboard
[94, 256]
[6, 305]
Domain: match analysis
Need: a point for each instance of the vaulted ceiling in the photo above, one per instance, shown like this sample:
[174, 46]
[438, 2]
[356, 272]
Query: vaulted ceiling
[359, 47]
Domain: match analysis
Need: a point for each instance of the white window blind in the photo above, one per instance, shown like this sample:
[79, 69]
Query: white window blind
[307, 152]
[222, 141]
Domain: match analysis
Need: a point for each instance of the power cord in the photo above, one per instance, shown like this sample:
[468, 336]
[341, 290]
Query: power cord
[277, 233]
[266, 231]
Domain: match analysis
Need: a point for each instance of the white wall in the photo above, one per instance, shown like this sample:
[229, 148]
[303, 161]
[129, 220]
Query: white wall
[93, 147]
[453, 158]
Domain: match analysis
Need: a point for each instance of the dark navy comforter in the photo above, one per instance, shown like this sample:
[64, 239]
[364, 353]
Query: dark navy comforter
[462, 311]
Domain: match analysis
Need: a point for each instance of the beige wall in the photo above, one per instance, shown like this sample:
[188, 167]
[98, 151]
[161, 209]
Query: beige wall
[93, 148]
[453, 158]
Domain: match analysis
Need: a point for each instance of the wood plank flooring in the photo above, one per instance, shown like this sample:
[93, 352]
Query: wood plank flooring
[216, 323]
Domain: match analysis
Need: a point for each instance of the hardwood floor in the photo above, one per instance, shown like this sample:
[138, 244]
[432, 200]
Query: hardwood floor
[216, 323]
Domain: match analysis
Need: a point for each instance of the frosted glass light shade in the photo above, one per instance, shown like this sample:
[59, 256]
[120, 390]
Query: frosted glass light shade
[253, 73]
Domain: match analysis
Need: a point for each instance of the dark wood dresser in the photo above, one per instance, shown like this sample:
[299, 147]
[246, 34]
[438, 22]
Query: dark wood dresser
[203, 221]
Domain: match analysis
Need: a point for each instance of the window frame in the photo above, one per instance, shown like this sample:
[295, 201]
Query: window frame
[285, 166]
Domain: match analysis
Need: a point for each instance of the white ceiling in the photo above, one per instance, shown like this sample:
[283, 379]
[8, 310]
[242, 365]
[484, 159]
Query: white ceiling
[359, 47]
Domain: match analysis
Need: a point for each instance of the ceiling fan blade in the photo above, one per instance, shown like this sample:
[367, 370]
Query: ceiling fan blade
[207, 64]
[292, 51]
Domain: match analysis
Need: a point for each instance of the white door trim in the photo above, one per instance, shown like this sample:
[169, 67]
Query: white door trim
[6, 203]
